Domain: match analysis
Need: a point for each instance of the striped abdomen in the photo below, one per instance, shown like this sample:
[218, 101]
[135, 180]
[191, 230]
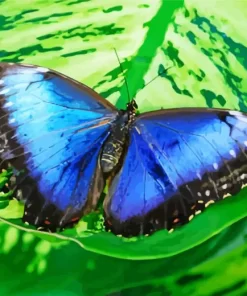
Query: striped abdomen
[113, 148]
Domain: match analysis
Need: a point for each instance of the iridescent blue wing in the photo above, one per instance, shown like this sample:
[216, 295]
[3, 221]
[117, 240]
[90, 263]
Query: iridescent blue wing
[51, 131]
[177, 163]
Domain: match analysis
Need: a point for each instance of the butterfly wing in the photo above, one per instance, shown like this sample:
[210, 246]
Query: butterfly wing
[51, 131]
[178, 162]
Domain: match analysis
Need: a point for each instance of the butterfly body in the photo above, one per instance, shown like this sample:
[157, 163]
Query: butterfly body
[114, 146]
[64, 141]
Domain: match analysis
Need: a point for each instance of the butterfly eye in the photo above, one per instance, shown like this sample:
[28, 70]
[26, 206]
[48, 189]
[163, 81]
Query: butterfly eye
[134, 104]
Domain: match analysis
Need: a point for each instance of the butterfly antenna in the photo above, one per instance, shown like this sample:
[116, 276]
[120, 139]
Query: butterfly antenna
[164, 71]
[125, 80]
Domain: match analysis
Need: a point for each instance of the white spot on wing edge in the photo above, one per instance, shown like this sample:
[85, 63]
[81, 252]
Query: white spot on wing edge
[239, 115]
[233, 153]
[235, 113]
[8, 104]
[224, 186]
[207, 192]
[12, 120]
[42, 69]
[208, 203]
[4, 91]
[242, 176]
[215, 165]
[226, 195]
[1, 82]
[199, 175]
[191, 217]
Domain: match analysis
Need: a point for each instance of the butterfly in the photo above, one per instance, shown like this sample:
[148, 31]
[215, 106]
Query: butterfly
[64, 141]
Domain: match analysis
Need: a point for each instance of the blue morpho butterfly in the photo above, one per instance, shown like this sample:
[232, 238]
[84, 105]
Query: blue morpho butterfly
[165, 166]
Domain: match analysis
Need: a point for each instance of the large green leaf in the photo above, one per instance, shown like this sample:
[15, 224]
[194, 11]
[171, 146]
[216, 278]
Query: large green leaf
[159, 245]
[67, 267]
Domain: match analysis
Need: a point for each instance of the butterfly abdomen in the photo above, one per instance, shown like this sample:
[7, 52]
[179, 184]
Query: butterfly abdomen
[114, 146]
[111, 155]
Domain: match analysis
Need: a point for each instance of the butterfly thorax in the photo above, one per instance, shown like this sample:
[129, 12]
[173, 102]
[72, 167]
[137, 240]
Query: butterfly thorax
[114, 146]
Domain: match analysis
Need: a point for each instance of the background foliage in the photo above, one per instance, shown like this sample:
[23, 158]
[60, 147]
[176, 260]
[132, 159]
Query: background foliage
[205, 43]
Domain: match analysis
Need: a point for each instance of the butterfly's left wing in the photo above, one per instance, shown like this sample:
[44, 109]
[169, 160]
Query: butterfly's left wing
[177, 163]
[51, 131]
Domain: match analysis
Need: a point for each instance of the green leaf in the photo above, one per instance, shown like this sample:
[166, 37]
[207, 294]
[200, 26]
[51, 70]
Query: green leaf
[14, 210]
[211, 222]
[70, 267]
[89, 234]
[3, 181]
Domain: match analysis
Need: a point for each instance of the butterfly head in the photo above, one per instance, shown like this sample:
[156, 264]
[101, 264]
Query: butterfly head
[132, 106]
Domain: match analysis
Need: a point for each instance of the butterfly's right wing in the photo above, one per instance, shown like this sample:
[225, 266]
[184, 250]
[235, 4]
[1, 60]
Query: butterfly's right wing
[178, 162]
